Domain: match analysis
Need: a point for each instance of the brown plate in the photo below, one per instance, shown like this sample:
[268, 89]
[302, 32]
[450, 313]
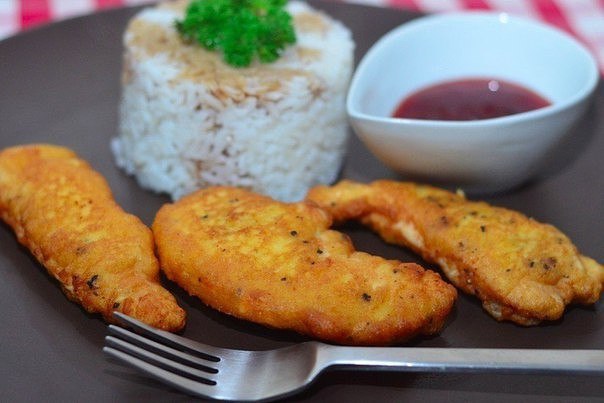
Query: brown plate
[60, 84]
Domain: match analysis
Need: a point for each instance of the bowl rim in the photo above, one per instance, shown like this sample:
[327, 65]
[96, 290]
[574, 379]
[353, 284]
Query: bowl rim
[591, 82]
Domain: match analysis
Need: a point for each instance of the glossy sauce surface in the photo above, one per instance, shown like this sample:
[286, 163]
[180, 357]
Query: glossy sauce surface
[469, 99]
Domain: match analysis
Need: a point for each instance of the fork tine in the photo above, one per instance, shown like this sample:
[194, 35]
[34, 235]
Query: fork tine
[195, 360]
[208, 352]
[177, 381]
[160, 361]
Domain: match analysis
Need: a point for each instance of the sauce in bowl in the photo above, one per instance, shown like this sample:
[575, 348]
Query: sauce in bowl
[469, 99]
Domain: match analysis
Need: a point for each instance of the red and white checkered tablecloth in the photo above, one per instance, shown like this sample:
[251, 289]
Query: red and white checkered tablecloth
[582, 18]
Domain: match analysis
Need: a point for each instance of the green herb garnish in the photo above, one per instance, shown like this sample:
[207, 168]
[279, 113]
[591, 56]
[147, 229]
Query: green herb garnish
[240, 29]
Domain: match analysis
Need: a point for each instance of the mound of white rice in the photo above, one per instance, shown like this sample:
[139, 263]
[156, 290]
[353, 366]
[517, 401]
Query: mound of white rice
[188, 121]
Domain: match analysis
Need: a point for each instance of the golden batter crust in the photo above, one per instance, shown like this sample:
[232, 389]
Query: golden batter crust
[522, 270]
[63, 211]
[279, 265]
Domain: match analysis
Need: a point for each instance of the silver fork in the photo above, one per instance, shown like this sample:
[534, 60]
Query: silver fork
[226, 374]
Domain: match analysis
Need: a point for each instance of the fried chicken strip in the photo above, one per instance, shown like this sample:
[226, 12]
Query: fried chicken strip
[64, 213]
[522, 270]
[279, 265]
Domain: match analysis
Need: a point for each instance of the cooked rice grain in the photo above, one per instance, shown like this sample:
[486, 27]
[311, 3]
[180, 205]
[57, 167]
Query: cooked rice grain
[188, 121]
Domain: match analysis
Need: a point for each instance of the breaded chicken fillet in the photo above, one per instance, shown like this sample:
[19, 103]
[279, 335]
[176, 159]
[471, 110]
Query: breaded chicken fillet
[64, 212]
[522, 270]
[279, 265]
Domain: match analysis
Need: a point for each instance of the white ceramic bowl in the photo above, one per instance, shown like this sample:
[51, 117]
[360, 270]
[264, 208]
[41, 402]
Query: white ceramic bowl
[481, 155]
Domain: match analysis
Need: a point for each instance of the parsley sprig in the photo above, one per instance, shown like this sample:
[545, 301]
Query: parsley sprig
[240, 29]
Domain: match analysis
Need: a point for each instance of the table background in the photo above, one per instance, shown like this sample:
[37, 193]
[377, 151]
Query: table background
[584, 19]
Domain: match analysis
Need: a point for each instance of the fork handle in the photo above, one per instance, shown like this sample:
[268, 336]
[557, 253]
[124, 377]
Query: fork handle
[417, 359]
